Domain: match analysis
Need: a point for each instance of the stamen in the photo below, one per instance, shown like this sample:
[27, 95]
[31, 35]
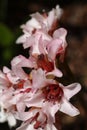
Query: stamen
[38, 124]
[19, 85]
[53, 92]
[44, 63]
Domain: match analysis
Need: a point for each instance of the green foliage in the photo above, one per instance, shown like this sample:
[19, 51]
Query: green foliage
[6, 35]
[7, 38]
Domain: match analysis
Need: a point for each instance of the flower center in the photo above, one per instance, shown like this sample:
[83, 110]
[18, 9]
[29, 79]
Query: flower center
[19, 85]
[53, 92]
[44, 63]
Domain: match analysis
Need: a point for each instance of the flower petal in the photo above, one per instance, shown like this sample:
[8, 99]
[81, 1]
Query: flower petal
[71, 90]
[68, 108]
[11, 120]
[56, 72]
[54, 48]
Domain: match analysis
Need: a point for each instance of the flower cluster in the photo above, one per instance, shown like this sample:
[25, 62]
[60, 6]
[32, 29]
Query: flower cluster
[35, 96]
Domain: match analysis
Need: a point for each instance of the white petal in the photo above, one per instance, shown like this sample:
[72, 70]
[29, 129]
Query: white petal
[11, 120]
[3, 115]
[22, 39]
[33, 23]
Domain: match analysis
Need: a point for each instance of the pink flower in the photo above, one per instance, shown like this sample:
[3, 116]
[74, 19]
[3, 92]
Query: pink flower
[58, 44]
[36, 119]
[56, 97]
[39, 79]
[4, 83]
[48, 66]
[47, 20]
[47, 47]
[35, 96]
[34, 41]
[39, 22]
[7, 116]
[20, 61]
[6, 108]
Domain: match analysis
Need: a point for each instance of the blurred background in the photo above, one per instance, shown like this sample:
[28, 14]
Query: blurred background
[13, 13]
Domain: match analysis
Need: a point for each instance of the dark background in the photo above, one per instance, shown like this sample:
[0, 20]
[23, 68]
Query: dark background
[13, 13]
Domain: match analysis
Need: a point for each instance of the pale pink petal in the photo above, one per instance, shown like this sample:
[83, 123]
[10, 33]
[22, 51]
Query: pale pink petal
[71, 90]
[36, 100]
[50, 110]
[20, 106]
[30, 126]
[38, 17]
[17, 64]
[29, 42]
[23, 116]
[39, 79]
[16, 98]
[56, 72]
[53, 15]
[31, 25]
[21, 61]
[61, 34]
[26, 126]
[68, 108]
[36, 42]
[22, 38]
[51, 18]
[54, 48]
[10, 75]
[43, 45]
[4, 82]
[58, 12]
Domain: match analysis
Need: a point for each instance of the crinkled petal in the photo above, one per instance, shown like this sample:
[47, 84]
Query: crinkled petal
[17, 64]
[61, 34]
[10, 75]
[54, 48]
[4, 82]
[32, 24]
[39, 79]
[22, 38]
